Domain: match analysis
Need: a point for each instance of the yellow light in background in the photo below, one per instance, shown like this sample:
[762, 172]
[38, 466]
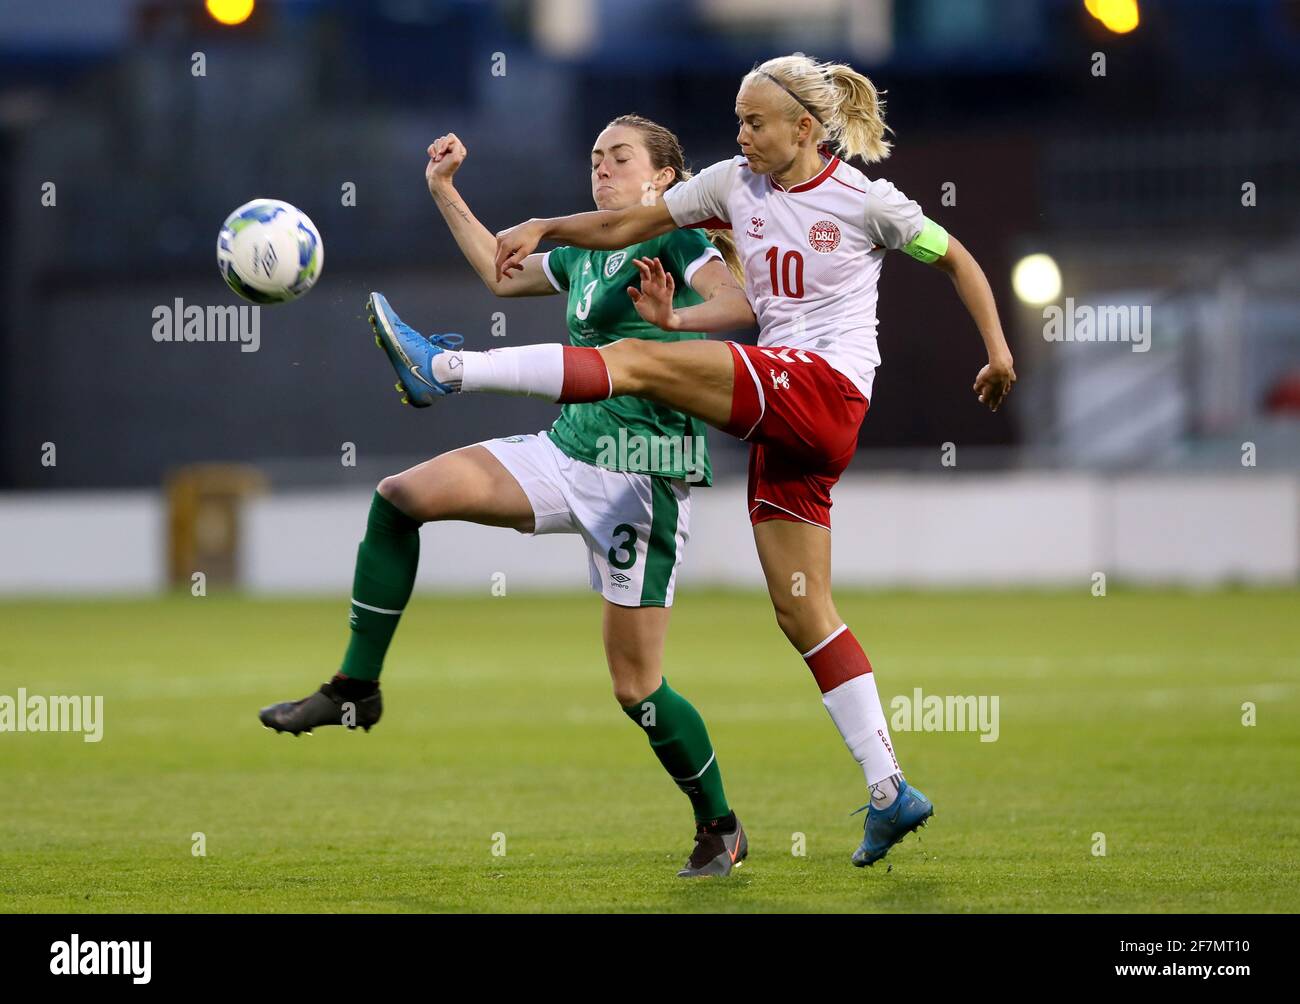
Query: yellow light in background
[1036, 280]
[230, 11]
[1119, 16]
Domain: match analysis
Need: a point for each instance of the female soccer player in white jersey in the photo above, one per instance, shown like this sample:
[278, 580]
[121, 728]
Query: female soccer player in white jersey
[812, 232]
[631, 508]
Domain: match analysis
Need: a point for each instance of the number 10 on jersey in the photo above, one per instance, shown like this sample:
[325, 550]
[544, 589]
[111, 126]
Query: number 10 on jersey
[791, 273]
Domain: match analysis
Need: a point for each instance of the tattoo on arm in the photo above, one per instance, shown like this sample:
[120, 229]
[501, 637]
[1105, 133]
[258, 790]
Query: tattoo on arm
[461, 210]
[728, 283]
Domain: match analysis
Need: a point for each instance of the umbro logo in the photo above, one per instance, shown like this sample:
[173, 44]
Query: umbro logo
[265, 259]
[620, 577]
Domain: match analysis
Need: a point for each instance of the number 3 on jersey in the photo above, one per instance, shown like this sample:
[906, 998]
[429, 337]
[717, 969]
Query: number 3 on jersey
[623, 554]
[584, 305]
[791, 277]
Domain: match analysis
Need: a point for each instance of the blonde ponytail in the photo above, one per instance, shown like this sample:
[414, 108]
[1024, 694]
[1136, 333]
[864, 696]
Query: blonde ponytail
[857, 123]
[846, 105]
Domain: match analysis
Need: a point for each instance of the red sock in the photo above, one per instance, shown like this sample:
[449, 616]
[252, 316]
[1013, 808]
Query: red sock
[586, 377]
[837, 660]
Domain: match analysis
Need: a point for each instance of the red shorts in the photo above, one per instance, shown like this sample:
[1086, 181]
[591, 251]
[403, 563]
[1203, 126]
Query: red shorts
[801, 418]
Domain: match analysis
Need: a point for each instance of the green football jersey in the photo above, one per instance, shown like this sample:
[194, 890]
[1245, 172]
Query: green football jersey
[629, 433]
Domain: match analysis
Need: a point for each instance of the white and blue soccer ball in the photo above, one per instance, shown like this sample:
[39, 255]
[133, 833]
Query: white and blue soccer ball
[269, 251]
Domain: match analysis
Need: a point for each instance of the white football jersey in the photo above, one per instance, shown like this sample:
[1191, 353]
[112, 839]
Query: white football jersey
[812, 253]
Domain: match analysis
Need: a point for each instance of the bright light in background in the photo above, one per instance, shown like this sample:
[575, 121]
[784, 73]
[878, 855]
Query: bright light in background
[1036, 279]
[565, 28]
[1120, 16]
[230, 11]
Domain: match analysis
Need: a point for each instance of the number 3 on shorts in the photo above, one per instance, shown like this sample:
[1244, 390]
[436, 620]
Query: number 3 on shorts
[627, 544]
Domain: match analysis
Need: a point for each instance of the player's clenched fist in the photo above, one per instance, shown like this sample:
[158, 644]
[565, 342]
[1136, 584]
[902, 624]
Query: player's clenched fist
[446, 154]
[994, 381]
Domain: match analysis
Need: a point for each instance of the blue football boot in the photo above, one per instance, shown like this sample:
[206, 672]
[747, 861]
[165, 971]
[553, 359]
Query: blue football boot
[410, 352]
[886, 827]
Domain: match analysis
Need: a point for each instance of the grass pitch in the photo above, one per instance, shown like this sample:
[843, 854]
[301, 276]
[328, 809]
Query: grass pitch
[1118, 716]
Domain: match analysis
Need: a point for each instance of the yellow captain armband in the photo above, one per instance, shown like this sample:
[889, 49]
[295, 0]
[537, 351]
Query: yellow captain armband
[930, 244]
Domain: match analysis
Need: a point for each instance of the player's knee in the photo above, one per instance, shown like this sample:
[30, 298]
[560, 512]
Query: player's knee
[399, 490]
[627, 695]
[787, 619]
[805, 620]
[391, 488]
[633, 684]
[631, 363]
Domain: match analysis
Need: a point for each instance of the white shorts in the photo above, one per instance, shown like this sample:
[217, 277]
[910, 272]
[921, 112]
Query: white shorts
[635, 525]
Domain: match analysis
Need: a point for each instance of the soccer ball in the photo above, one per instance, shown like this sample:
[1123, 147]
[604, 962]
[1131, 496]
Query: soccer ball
[269, 252]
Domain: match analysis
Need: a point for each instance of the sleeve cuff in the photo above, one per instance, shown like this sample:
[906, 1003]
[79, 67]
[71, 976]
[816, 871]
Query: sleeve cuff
[705, 257]
[546, 267]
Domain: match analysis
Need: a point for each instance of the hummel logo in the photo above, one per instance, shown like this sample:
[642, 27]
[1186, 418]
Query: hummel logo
[784, 355]
[782, 381]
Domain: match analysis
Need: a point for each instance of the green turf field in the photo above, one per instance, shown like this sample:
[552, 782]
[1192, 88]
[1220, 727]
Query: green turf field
[1119, 715]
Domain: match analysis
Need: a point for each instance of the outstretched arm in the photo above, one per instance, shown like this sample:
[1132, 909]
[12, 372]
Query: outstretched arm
[602, 230]
[994, 381]
[476, 242]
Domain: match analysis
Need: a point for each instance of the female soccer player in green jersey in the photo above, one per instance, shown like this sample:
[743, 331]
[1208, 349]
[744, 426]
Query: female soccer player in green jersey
[813, 232]
[616, 471]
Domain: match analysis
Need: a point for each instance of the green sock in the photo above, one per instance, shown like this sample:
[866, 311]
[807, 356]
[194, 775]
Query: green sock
[681, 742]
[386, 561]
